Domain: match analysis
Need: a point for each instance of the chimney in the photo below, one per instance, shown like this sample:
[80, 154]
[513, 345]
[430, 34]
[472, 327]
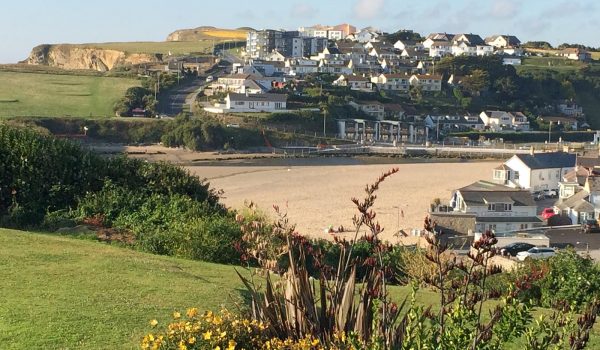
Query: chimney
[531, 151]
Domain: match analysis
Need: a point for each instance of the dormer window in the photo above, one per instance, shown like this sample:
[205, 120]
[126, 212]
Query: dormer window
[500, 207]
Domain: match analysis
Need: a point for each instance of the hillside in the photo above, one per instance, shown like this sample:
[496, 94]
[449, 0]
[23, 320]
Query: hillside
[208, 33]
[59, 292]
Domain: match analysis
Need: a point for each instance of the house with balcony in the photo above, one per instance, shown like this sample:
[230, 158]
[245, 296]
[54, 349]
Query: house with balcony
[392, 82]
[535, 171]
[483, 206]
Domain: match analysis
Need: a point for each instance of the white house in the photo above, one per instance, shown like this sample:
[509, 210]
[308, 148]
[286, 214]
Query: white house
[579, 202]
[427, 82]
[372, 108]
[393, 82]
[438, 48]
[354, 82]
[406, 44]
[301, 66]
[576, 54]
[535, 171]
[502, 41]
[236, 103]
[495, 207]
[501, 120]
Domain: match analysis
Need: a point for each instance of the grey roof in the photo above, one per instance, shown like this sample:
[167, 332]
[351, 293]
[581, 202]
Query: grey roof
[258, 97]
[333, 51]
[588, 162]
[471, 39]
[550, 160]
[483, 192]
[511, 39]
[527, 219]
[572, 201]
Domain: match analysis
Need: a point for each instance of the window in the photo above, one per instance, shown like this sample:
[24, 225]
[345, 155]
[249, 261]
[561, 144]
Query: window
[492, 227]
[498, 175]
[523, 226]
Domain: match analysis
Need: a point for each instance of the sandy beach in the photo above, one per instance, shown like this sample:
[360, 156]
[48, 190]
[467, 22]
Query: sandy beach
[317, 192]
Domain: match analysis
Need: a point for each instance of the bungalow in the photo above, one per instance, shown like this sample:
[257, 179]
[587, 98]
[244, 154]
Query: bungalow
[393, 82]
[576, 54]
[236, 103]
[354, 82]
[483, 206]
[427, 82]
[535, 171]
[568, 123]
[373, 108]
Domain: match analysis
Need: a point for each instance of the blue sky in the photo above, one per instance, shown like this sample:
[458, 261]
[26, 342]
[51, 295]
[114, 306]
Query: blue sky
[24, 24]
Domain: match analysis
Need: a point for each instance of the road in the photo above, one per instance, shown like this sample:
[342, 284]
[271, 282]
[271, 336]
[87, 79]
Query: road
[180, 98]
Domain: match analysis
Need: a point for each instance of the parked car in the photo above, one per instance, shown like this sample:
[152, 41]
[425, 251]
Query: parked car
[514, 248]
[547, 213]
[538, 196]
[209, 78]
[536, 253]
[590, 226]
[550, 193]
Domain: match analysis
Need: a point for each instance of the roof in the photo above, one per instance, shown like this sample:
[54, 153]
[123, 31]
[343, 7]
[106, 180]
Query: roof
[562, 119]
[588, 162]
[440, 36]
[482, 192]
[502, 167]
[573, 201]
[492, 219]
[393, 107]
[550, 160]
[471, 39]
[237, 76]
[511, 40]
[395, 76]
[578, 175]
[333, 51]
[356, 78]
[258, 97]
[426, 76]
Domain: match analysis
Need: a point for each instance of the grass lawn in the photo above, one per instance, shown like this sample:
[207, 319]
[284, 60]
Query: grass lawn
[60, 292]
[164, 47]
[33, 94]
[559, 64]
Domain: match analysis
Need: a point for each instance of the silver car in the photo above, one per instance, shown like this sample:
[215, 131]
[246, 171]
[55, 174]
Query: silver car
[536, 253]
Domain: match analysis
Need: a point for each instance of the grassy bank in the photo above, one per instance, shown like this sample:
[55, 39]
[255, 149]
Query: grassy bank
[32, 94]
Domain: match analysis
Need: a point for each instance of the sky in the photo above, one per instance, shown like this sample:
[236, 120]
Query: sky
[25, 24]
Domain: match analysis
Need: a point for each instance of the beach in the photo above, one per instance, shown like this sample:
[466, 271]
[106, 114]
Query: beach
[316, 193]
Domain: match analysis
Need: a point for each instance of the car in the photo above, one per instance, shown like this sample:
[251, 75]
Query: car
[209, 78]
[536, 253]
[590, 226]
[538, 196]
[514, 248]
[550, 193]
[547, 213]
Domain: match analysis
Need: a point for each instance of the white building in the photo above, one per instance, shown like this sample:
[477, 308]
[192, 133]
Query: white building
[236, 103]
[501, 120]
[392, 82]
[426, 82]
[535, 172]
[495, 207]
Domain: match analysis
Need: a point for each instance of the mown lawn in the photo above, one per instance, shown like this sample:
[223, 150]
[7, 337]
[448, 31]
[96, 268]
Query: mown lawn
[33, 94]
[65, 293]
[60, 292]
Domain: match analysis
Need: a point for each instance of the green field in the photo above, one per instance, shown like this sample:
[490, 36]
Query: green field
[32, 94]
[66, 293]
[59, 292]
[559, 64]
[163, 47]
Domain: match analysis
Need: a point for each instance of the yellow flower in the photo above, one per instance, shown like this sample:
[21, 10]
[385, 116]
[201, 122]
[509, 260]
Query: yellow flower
[217, 347]
[176, 315]
[192, 312]
[207, 335]
[192, 340]
[315, 342]
[231, 345]
[153, 323]
[182, 346]
[217, 320]
[223, 334]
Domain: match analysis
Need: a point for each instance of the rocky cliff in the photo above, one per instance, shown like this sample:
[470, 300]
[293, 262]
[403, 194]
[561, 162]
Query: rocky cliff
[81, 57]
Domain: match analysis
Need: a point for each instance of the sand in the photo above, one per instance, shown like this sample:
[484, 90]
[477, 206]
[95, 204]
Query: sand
[317, 193]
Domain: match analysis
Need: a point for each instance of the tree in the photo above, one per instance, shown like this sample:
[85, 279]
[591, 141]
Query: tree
[477, 82]
[416, 93]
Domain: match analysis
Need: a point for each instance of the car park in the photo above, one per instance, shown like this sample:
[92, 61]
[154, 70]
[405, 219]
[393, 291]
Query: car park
[547, 213]
[514, 248]
[536, 253]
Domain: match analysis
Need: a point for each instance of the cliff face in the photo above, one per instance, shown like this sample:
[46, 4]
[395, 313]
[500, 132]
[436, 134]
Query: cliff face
[80, 57]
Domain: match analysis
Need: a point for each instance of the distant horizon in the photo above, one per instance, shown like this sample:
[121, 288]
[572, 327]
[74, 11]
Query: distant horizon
[71, 22]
